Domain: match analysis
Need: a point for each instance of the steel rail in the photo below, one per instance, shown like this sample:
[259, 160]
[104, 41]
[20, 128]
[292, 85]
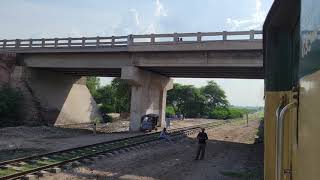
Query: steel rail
[73, 152]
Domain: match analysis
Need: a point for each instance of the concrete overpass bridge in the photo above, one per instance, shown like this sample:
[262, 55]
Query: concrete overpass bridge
[53, 67]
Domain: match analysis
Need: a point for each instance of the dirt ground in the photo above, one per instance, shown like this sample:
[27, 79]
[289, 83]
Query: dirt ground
[230, 154]
[22, 141]
[190, 122]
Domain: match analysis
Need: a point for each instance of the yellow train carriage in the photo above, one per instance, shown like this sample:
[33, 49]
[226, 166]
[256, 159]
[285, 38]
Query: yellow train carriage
[292, 90]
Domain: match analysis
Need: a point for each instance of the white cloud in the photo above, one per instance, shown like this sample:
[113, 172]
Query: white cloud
[254, 22]
[136, 16]
[151, 28]
[160, 10]
[140, 23]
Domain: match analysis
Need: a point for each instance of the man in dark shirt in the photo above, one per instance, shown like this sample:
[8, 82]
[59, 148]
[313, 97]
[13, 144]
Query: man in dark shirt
[202, 138]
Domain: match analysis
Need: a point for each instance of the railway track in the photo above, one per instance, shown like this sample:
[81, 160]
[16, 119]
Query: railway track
[19, 168]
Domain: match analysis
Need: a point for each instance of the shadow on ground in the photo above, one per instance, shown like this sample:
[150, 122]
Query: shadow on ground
[224, 160]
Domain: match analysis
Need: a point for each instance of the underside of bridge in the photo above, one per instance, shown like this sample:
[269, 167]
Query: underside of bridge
[174, 72]
[65, 99]
[54, 69]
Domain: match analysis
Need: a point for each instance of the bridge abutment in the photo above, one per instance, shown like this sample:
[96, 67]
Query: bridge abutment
[7, 65]
[64, 99]
[148, 94]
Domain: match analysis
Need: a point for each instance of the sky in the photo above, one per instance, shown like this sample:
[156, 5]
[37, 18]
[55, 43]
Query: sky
[78, 18]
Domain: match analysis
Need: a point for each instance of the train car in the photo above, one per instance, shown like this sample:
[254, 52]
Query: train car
[292, 90]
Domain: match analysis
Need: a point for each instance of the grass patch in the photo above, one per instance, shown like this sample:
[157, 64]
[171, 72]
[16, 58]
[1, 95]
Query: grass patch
[6, 172]
[9, 154]
[28, 167]
[249, 174]
[233, 174]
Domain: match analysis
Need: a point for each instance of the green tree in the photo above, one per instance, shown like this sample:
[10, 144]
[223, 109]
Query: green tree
[114, 97]
[170, 111]
[195, 102]
[175, 98]
[10, 106]
[214, 95]
[93, 84]
[219, 113]
[104, 95]
[122, 95]
[186, 99]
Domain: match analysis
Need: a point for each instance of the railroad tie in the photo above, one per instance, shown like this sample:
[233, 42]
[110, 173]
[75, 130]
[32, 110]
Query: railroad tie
[133, 148]
[22, 163]
[101, 156]
[116, 152]
[29, 177]
[109, 155]
[67, 166]
[154, 142]
[75, 163]
[41, 173]
[96, 158]
[120, 146]
[86, 161]
[55, 170]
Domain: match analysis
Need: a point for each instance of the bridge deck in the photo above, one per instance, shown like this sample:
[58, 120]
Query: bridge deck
[138, 43]
[203, 55]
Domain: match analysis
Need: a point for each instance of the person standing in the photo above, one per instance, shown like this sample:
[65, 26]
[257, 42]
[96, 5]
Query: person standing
[202, 138]
[164, 135]
[168, 122]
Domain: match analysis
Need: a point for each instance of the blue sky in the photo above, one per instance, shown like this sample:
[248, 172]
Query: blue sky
[65, 18]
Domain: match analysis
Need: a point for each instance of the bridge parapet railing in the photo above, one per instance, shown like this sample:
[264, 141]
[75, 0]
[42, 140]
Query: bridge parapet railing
[119, 41]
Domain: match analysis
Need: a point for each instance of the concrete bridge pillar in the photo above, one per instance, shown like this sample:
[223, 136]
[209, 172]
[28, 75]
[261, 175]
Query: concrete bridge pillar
[148, 94]
[64, 99]
[7, 64]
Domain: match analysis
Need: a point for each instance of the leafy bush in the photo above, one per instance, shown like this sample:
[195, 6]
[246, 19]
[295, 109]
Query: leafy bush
[10, 106]
[219, 113]
[170, 111]
[106, 118]
[235, 113]
[226, 113]
[196, 102]
[115, 97]
[106, 108]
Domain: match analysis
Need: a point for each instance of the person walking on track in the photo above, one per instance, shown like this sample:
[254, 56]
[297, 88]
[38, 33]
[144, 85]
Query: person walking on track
[202, 138]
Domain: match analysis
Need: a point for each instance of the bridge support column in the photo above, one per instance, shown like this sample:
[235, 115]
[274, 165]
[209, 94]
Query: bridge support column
[148, 94]
[7, 64]
[64, 99]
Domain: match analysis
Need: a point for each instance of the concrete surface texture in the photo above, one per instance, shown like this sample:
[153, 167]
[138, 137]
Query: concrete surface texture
[148, 94]
[234, 63]
[65, 99]
[7, 64]
[54, 69]
[227, 54]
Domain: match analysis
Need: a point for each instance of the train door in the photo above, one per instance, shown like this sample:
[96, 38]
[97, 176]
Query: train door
[306, 146]
[281, 57]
